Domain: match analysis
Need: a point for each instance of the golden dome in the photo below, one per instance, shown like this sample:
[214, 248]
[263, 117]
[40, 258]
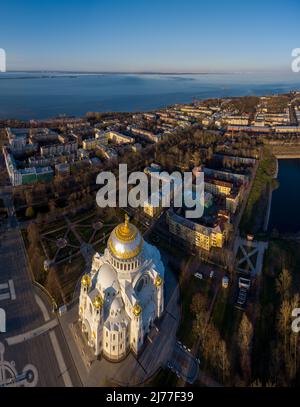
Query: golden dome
[137, 309]
[98, 302]
[158, 281]
[125, 241]
[86, 280]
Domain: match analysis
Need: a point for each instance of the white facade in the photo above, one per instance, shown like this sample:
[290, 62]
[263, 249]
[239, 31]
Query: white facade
[122, 295]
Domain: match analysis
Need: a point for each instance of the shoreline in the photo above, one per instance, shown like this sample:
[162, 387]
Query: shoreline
[267, 217]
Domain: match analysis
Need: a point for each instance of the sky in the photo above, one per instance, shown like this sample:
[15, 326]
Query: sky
[149, 35]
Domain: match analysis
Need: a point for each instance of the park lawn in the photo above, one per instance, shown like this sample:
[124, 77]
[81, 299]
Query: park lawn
[258, 198]
[72, 239]
[68, 275]
[83, 217]
[67, 251]
[52, 226]
[50, 247]
[86, 232]
[55, 233]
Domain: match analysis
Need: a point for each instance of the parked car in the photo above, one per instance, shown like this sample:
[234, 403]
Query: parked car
[199, 275]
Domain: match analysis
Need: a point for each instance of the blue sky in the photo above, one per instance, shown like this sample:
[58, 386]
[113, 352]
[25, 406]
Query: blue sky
[149, 35]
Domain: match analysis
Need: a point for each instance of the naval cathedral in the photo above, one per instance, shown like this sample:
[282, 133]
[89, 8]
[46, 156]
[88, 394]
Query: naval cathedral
[122, 295]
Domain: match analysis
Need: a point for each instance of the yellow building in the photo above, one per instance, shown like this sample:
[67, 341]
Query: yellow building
[152, 211]
[90, 144]
[119, 138]
[195, 234]
[218, 187]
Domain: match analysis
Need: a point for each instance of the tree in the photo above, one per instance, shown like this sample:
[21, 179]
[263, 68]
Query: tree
[198, 304]
[224, 360]
[33, 235]
[283, 284]
[53, 286]
[29, 212]
[245, 339]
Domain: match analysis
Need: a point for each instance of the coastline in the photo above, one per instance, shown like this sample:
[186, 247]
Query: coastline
[268, 213]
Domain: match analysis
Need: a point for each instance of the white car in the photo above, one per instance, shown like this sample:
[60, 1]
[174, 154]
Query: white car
[199, 275]
[211, 274]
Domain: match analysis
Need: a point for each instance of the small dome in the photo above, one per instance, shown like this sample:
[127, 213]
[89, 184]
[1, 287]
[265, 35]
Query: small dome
[137, 309]
[125, 241]
[98, 302]
[106, 276]
[158, 281]
[86, 280]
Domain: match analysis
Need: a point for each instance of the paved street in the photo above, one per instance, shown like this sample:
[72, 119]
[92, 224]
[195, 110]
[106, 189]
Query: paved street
[32, 335]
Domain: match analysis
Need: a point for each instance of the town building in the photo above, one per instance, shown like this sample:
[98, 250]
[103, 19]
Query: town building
[195, 234]
[119, 138]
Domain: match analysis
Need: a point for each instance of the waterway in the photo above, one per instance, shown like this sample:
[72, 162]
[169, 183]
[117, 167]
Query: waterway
[285, 209]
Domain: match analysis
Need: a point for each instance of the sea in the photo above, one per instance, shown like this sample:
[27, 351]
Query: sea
[42, 95]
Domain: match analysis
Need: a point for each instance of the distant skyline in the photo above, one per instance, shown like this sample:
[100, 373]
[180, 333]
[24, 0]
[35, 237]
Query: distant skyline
[149, 36]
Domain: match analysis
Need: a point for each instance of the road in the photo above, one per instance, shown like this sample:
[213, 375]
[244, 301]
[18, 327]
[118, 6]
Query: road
[33, 335]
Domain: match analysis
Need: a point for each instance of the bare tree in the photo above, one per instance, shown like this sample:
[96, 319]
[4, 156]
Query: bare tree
[245, 340]
[283, 284]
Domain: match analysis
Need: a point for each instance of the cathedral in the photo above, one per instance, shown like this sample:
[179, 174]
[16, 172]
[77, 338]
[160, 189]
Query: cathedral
[122, 295]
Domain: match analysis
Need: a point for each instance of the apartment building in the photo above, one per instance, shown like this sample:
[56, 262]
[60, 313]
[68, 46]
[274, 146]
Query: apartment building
[119, 138]
[218, 187]
[195, 234]
[59, 149]
[236, 120]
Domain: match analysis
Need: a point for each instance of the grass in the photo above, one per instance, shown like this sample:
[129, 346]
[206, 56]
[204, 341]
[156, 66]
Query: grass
[254, 213]
[86, 232]
[68, 275]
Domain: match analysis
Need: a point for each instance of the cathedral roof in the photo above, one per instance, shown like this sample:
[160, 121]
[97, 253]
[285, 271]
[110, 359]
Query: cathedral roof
[107, 277]
[125, 241]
